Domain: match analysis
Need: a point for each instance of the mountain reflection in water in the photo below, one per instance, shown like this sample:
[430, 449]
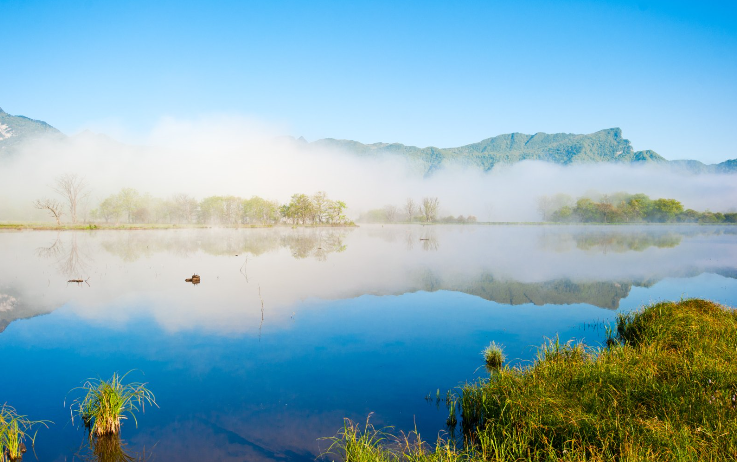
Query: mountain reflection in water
[291, 330]
[510, 265]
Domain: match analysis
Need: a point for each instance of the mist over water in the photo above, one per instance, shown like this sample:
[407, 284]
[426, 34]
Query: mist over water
[229, 155]
[291, 330]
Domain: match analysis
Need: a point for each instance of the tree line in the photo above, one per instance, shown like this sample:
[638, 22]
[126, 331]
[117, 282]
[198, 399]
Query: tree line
[131, 206]
[425, 211]
[624, 208]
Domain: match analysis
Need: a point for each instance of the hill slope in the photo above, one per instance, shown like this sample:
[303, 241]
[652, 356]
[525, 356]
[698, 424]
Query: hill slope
[15, 130]
[560, 148]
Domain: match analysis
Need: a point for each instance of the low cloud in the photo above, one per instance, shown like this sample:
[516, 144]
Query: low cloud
[232, 155]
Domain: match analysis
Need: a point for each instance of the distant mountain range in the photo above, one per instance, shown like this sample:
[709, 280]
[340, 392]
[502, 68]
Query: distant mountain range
[560, 148]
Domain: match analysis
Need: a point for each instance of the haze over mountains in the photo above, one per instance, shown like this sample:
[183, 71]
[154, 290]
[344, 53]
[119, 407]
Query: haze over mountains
[604, 146]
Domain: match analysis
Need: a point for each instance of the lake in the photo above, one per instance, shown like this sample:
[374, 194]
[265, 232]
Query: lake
[292, 330]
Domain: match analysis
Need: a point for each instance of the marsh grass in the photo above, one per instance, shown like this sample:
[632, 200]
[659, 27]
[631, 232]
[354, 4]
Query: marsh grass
[665, 389]
[15, 430]
[493, 356]
[106, 403]
[357, 443]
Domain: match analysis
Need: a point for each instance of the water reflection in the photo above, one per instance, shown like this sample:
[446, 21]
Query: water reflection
[109, 448]
[67, 256]
[291, 330]
[316, 243]
[256, 276]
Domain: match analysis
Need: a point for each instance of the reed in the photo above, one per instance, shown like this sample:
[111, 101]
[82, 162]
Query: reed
[106, 403]
[493, 355]
[15, 430]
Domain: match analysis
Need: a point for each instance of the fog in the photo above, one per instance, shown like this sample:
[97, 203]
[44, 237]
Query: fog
[141, 273]
[232, 155]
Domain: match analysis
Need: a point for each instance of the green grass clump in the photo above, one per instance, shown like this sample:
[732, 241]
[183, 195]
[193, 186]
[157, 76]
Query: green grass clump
[107, 402]
[665, 389]
[15, 429]
[493, 355]
[355, 443]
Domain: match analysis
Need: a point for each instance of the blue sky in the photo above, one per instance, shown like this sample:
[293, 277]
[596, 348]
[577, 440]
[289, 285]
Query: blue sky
[422, 73]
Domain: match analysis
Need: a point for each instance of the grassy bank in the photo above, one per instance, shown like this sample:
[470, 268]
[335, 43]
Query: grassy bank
[665, 389]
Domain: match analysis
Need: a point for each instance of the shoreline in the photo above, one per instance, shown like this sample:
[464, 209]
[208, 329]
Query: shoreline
[154, 226]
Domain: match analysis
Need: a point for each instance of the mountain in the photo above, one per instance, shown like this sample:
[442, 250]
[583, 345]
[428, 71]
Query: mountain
[694, 166]
[14, 130]
[560, 148]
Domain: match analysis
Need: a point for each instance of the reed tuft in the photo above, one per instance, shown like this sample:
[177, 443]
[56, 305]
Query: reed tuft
[106, 403]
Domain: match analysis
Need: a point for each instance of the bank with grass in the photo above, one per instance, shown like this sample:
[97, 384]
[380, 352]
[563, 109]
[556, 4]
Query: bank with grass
[664, 388]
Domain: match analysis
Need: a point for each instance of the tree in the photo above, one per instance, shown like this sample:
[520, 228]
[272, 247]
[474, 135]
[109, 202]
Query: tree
[109, 209]
[430, 208]
[54, 207]
[129, 199]
[665, 210]
[211, 209]
[73, 189]
[300, 208]
[336, 209]
[257, 209]
[185, 208]
[410, 209]
[545, 207]
[390, 212]
[320, 204]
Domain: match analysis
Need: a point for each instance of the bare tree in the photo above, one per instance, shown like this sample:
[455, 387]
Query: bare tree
[410, 208]
[73, 189]
[430, 208]
[489, 208]
[545, 207]
[391, 213]
[54, 207]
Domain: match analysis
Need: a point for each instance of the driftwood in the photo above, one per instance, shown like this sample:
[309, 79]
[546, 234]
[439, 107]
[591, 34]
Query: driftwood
[79, 281]
[195, 279]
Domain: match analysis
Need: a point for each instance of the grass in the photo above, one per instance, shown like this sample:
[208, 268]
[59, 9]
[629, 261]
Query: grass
[493, 355]
[106, 403]
[356, 443]
[15, 430]
[665, 389]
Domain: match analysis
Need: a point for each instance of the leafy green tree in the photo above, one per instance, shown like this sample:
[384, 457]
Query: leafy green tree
[664, 210]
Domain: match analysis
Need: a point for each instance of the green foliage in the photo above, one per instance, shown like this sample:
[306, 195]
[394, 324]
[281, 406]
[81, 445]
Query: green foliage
[626, 208]
[107, 402]
[315, 210]
[133, 207]
[15, 430]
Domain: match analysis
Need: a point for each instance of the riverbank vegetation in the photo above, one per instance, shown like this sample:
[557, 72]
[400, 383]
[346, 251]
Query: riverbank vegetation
[664, 388]
[129, 206]
[15, 430]
[624, 208]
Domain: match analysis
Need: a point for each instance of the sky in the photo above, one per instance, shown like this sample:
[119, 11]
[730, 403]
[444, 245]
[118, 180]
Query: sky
[421, 73]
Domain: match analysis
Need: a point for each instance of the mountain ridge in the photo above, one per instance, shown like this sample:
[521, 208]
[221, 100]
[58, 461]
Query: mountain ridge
[607, 146]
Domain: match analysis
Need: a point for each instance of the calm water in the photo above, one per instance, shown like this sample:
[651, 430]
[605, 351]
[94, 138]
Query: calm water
[290, 331]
